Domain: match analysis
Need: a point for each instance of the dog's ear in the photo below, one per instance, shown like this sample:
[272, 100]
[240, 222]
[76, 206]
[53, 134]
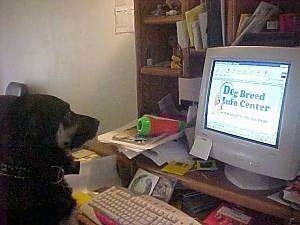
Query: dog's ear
[34, 119]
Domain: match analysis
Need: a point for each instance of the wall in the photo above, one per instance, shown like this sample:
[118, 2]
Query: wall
[68, 48]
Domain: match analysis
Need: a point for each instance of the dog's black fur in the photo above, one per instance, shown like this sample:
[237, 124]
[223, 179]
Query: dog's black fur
[30, 143]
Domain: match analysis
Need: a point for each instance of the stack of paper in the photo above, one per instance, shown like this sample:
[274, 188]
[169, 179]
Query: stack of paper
[161, 149]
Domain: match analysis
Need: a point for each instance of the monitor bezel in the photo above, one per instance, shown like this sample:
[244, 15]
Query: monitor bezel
[263, 159]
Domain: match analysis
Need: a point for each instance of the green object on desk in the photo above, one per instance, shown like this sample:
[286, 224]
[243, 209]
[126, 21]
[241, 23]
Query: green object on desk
[149, 125]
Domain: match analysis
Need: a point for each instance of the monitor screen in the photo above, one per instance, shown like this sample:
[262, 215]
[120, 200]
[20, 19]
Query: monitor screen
[245, 99]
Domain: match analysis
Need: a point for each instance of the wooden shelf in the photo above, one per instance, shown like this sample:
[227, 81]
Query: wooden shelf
[201, 52]
[162, 19]
[161, 71]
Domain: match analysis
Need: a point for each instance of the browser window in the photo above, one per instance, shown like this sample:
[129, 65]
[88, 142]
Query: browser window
[245, 99]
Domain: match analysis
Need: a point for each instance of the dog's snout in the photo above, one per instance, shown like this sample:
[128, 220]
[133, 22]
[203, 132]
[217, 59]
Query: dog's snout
[92, 125]
[87, 129]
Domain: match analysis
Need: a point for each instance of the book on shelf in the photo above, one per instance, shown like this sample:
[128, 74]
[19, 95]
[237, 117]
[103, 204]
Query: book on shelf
[191, 16]
[214, 23]
[256, 22]
[244, 18]
[197, 35]
[230, 22]
[202, 18]
[223, 19]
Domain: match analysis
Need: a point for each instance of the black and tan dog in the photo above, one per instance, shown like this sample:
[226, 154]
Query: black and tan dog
[37, 133]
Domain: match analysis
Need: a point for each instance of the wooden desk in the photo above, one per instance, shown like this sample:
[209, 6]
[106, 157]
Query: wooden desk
[214, 184]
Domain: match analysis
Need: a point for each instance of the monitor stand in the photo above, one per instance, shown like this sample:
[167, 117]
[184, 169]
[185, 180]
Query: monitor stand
[251, 181]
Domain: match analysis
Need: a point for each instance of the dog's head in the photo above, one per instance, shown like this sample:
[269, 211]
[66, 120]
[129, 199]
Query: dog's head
[40, 128]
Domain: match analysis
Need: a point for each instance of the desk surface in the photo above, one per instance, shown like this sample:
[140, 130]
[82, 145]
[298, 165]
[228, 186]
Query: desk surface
[214, 184]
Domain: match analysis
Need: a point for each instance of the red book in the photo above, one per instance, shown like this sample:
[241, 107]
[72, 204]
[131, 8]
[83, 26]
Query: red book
[227, 215]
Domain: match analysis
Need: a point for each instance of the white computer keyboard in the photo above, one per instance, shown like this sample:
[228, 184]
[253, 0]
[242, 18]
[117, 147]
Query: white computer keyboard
[125, 208]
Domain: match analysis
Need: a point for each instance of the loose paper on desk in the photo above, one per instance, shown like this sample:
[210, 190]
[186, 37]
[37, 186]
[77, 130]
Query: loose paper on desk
[94, 174]
[171, 151]
[276, 197]
[128, 152]
[202, 147]
[126, 136]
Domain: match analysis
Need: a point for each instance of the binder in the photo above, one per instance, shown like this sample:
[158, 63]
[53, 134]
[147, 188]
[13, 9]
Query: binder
[214, 23]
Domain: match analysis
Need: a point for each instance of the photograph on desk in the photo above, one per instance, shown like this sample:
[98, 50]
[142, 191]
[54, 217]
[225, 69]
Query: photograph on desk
[143, 182]
[164, 189]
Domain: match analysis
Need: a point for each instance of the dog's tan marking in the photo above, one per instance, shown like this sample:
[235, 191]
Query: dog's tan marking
[64, 135]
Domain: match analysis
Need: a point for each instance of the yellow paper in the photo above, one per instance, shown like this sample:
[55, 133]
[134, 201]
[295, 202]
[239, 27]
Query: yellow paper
[191, 16]
[177, 168]
[81, 197]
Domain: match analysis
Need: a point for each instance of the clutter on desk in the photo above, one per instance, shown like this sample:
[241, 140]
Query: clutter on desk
[150, 126]
[164, 189]
[94, 173]
[196, 203]
[192, 202]
[130, 154]
[201, 147]
[227, 215]
[81, 197]
[84, 155]
[127, 136]
[292, 192]
[289, 196]
[155, 137]
[208, 165]
[171, 151]
[177, 168]
[157, 186]
[143, 182]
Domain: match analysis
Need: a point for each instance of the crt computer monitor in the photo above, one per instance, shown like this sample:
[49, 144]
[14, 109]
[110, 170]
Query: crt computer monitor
[249, 108]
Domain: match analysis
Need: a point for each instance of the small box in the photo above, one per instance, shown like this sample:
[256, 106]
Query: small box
[226, 215]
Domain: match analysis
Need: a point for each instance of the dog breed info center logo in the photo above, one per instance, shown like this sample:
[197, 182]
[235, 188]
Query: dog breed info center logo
[240, 102]
[241, 98]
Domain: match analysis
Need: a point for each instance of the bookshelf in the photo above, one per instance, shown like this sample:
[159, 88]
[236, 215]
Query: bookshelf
[153, 35]
[152, 41]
